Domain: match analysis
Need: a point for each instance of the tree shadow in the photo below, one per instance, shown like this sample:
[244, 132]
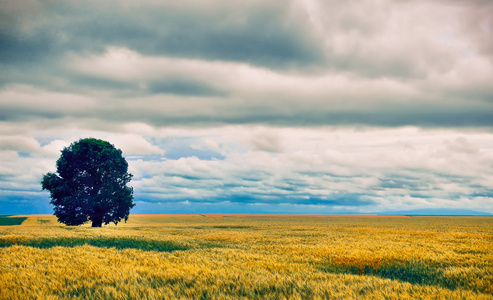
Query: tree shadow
[103, 242]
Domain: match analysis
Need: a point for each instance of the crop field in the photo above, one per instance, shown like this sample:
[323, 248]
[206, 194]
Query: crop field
[248, 257]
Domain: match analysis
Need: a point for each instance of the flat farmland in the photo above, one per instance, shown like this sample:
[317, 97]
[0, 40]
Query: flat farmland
[249, 257]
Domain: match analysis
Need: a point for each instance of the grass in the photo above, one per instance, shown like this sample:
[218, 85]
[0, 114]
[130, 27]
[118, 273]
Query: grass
[418, 273]
[106, 242]
[9, 221]
[250, 257]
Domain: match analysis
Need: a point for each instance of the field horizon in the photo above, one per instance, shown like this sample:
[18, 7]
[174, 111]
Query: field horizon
[382, 215]
[233, 215]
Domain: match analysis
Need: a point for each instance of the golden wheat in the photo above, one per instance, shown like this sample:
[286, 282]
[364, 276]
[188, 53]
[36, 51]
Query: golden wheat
[255, 257]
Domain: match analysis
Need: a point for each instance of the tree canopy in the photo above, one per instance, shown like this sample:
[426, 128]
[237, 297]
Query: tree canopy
[90, 184]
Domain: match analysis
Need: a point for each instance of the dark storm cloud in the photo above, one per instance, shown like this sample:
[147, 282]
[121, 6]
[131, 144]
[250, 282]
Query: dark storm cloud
[348, 200]
[23, 50]
[425, 116]
[255, 33]
[331, 200]
[313, 63]
[183, 87]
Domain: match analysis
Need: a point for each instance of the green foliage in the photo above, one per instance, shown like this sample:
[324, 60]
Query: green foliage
[9, 221]
[91, 184]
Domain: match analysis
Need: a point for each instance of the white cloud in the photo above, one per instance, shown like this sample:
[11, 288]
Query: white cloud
[363, 170]
[30, 99]
[19, 143]
[329, 163]
[132, 144]
[55, 147]
[266, 140]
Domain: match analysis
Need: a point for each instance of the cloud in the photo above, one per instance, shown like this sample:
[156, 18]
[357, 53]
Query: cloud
[135, 144]
[479, 24]
[19, 143]
[304, 63]
[256, 32]
[55, 147]
[268, 141]
[332, 167]
[304, 105]
[329, 169]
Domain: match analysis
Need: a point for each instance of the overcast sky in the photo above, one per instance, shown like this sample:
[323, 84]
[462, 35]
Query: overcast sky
[224, 106]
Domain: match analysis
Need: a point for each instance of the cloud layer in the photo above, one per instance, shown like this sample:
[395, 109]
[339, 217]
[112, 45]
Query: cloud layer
[267, 169]
[304, 106]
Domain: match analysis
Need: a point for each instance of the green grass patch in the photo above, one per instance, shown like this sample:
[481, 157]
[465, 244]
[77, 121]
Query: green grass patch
[9, 221]
[413, 272]
[43, 221]
[223, 227]
[232, 227]
[105, 242]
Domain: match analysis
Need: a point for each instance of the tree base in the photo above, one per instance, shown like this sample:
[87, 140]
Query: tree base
[97, 222]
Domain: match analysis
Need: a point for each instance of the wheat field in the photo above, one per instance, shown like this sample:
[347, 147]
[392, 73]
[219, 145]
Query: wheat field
[249, 257]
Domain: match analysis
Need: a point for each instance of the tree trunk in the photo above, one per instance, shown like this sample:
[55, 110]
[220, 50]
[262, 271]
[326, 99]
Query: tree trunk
[97, 221]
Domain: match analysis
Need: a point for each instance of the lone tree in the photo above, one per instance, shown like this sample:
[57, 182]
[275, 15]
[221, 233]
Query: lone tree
[91, 184]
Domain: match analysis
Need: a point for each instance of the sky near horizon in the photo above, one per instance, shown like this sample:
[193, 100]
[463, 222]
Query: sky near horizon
[306, 106]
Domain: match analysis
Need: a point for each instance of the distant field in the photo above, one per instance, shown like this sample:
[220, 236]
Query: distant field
[249, 257]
